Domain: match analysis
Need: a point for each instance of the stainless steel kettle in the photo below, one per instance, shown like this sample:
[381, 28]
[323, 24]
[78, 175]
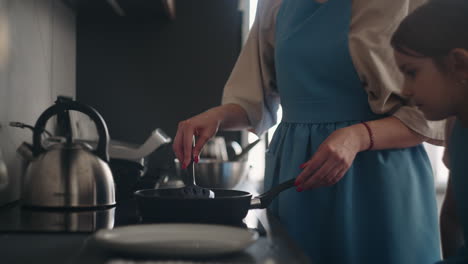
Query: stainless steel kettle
[5, 181]
[69, 174]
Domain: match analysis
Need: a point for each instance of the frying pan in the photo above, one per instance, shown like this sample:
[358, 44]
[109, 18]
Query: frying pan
[227, 207]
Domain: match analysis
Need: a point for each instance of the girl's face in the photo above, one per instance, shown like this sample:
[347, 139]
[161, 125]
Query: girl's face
[436, 92]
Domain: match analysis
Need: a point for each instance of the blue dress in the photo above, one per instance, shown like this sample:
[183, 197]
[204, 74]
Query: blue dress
[459, 178]
[384, 209]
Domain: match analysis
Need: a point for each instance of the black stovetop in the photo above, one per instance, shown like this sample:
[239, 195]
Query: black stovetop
[16, 218]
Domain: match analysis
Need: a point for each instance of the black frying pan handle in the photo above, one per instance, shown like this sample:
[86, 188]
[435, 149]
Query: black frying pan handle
[264, 200]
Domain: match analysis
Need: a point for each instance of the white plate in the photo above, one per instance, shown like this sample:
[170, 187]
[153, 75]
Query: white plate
[183, 240]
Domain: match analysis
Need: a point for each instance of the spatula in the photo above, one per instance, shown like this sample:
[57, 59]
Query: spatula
[191, 189]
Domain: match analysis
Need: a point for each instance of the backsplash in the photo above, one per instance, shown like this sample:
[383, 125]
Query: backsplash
[38, 37]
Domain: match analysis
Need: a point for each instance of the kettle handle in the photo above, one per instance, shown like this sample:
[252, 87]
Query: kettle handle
[103, 141]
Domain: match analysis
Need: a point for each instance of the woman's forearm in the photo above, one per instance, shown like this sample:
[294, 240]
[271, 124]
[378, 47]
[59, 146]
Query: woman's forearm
[231, 117]
[388, 133]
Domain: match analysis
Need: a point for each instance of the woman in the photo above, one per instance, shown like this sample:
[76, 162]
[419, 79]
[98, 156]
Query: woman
[370, 195]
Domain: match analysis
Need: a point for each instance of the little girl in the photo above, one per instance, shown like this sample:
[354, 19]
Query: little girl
[431, 50]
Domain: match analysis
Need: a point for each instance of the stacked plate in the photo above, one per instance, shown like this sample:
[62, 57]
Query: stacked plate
[176, 240]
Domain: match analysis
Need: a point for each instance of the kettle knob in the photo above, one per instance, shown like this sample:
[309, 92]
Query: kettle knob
[102, 147]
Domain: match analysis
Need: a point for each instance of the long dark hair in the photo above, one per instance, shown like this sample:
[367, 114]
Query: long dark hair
[433, 29]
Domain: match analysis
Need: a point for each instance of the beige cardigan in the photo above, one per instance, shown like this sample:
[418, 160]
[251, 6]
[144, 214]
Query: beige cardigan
[252, 82]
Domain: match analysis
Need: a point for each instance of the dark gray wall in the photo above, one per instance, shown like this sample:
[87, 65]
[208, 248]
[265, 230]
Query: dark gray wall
[141, 74]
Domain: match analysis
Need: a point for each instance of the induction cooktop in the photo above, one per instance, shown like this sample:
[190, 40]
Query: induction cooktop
[16, 218]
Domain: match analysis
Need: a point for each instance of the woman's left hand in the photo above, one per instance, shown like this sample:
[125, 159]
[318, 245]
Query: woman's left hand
[332, 159]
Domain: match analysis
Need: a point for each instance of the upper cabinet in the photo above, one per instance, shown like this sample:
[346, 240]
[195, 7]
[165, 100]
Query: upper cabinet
[141, 9]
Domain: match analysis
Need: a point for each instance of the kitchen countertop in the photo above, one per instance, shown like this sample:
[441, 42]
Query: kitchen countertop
[45, 247]
[44, 237]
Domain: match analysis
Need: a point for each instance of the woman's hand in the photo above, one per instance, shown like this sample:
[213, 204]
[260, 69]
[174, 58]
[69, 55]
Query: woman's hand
[332, 159]
[336, 154]
[203, 126]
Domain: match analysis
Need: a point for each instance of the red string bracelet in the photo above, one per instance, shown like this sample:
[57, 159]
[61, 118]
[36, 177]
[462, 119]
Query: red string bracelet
[371, 135]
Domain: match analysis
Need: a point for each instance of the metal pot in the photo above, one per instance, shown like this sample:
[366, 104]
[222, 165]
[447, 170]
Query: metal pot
[211, 173]
[215, 148]
[69, 174]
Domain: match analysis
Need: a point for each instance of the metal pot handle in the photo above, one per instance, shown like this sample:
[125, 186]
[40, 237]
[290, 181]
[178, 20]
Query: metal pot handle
[103, 141]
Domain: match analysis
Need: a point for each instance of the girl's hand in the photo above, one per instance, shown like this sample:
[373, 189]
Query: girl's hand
[332, 159]
[203, 126]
